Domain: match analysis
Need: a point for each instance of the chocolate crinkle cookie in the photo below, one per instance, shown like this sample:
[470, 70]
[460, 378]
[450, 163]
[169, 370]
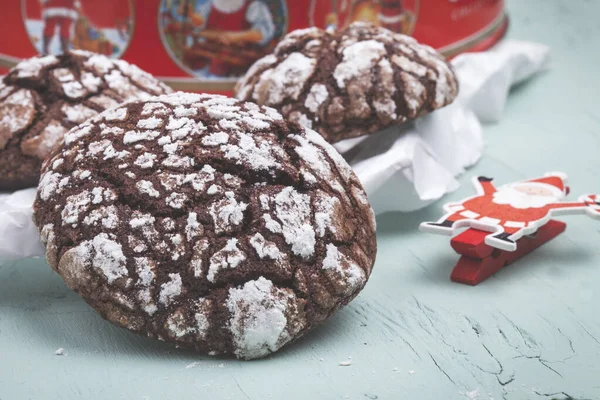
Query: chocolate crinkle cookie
[43, 97]
[350, 82]
[207, 222]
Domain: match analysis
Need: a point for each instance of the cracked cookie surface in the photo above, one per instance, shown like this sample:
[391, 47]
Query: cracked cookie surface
[351, 82]
[43, 97]
[207, 222]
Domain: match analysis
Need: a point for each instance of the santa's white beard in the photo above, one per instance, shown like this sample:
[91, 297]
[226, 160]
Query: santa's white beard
[228, 6]
[517, 199]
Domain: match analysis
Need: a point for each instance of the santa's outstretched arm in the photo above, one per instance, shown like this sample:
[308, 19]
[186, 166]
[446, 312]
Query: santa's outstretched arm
[484, 185]
[587, 204]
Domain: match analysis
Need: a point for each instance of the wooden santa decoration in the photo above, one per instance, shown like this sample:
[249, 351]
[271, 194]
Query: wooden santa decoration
[507, 222]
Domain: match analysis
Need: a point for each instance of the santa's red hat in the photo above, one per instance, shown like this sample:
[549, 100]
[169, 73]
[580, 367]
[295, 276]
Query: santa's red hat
[555, 181]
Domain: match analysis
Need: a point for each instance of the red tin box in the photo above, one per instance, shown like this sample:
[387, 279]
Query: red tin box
[203, 45]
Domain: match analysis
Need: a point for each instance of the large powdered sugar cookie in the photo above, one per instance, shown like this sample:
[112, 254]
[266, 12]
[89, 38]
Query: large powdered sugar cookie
[207, 222]
[351, 82]
[43, 97]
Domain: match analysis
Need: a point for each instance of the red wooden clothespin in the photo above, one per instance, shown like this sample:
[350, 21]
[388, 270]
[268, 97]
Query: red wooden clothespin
[504, 224]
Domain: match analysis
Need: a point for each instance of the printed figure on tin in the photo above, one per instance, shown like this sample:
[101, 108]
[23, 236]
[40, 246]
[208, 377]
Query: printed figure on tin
[55, 26]
[396, 15]
[220, 39]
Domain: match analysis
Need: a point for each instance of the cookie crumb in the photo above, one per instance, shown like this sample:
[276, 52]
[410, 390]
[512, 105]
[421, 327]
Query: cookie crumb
[192, 365]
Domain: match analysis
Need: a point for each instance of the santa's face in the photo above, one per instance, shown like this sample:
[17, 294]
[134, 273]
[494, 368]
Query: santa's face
[228, 6]
[534, 190]
[525, 196]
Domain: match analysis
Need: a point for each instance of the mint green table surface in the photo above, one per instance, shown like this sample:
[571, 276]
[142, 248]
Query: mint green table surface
[530, 332]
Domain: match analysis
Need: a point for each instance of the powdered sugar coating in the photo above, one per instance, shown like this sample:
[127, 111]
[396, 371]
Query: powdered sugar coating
[43, 97]
[213, 253]
[351, 82]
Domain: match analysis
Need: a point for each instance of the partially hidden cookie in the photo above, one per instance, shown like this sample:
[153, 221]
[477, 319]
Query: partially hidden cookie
[350, 82]
[207, 222]
[43, 97]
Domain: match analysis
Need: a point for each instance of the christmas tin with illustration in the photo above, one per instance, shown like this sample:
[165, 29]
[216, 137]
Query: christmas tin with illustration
[396, 15]
[220, 39]
[204, 45]
[55, 26]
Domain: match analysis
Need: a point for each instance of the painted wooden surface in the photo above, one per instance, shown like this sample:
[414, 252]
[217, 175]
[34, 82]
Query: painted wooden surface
[530, 332]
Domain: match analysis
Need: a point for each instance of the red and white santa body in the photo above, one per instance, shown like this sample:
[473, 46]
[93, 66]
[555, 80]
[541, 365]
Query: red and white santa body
[513, 210]
[237, 16]
[58, 13]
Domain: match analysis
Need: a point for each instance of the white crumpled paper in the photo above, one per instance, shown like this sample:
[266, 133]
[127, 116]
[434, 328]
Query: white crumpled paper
[403, 168]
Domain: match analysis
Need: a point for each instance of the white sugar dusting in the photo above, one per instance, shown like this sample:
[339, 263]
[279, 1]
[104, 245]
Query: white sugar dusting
[178, 161]
[155, 109]
[74, 206]
[271, 224]
[261, 64]
[408, 65]
[193, 227]
[177, 325]
[97, 147]
[287, 79]
[228, 257]
[293, 210]
[203, 307]
[336, 261]
[181, 111]
[324, 209]
[48, 184]
[149, 123]
[77, 113]
[171, 181]
[50, 136]
[57, 163]
[146, 187]
[196, 261]
[318, 95]
[139, 220]
[264, 248]
[358, 59]
[215, 139]
[117, 114]
[145, 160]
[258, 318]
[176, 200]
[264, 202]
[171, 289]
[138, 136]
[30, 68]
[145, 267]
[200, 179]
[108, 257]
[227, 213]
[77, 133]
[258, 157]
[18, 111]
[106, 216]
[414, 93]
